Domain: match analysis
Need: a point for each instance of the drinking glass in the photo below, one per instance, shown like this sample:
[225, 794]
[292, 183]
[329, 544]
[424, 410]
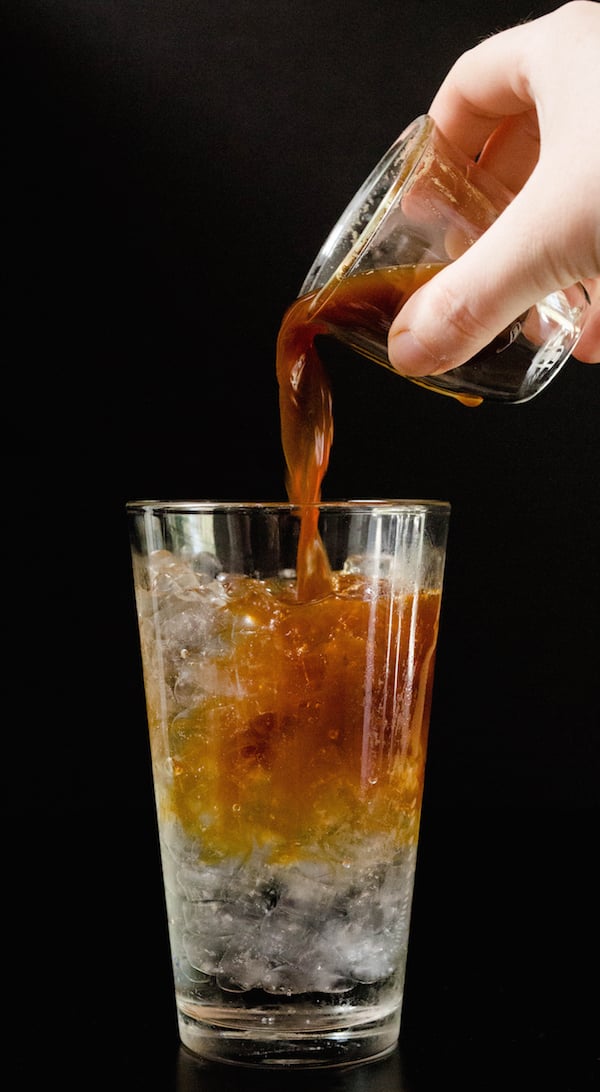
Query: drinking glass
[288, 737]
[420, 208]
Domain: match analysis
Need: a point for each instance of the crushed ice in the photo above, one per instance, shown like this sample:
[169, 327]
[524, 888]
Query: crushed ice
[313, 926]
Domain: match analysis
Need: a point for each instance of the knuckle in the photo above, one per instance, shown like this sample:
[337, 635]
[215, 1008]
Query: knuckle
[462, 323]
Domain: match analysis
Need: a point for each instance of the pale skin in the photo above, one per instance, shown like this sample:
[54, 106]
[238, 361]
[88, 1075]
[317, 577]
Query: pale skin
[527, 103]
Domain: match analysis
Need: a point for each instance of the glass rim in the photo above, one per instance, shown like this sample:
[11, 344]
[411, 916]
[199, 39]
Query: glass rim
[404, 155]
[194, 506]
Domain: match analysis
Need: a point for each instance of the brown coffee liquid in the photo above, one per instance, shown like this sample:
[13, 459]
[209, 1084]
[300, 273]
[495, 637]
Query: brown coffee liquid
[310, 726]
[366, 302]
[294, 756]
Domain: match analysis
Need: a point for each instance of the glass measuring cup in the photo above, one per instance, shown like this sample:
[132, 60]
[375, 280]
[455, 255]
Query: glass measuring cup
[421, 207]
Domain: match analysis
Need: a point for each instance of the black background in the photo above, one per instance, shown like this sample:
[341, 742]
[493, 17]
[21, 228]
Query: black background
[173, 169]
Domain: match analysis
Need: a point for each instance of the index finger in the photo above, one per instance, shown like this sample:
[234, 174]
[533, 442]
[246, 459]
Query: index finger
[485, 85]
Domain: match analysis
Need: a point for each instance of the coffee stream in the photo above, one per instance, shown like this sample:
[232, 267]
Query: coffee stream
[365, 302]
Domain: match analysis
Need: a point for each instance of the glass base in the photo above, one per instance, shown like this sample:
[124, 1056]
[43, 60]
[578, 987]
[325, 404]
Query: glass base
[323, 1040]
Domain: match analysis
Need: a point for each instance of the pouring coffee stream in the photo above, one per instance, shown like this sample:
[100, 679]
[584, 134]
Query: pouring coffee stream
[305, 401]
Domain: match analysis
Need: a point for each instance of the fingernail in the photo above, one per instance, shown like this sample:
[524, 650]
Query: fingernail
[409, 357]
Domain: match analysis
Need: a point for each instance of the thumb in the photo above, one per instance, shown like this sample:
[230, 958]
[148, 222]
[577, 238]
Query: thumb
[472, 300]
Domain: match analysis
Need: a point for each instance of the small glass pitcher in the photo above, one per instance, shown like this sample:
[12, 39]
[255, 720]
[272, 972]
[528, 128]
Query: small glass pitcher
[421, 207]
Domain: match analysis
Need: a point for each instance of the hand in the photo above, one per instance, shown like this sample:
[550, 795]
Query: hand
[525, 102]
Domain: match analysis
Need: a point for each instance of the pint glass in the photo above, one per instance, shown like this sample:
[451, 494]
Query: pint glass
[288, 739]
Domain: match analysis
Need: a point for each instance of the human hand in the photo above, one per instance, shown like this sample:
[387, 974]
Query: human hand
[525, 103]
